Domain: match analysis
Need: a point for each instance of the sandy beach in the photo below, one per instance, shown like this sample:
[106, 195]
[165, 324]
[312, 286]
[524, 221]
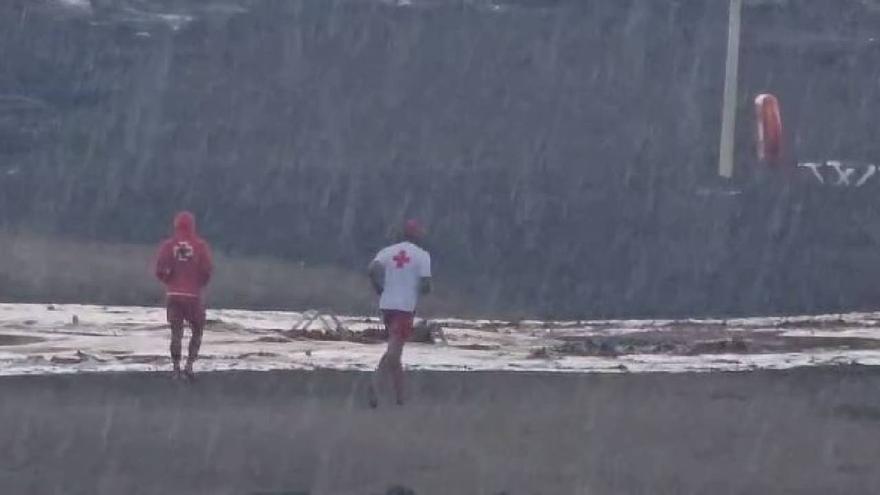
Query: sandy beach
[801, 431]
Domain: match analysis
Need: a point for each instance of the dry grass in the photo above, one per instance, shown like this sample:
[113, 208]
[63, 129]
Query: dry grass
[40, 269]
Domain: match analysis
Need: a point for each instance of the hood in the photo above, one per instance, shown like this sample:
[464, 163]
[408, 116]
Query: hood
[184, 224]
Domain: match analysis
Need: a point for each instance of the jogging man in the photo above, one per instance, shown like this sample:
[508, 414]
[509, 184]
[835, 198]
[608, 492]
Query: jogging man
[399, 274]
[184, 265]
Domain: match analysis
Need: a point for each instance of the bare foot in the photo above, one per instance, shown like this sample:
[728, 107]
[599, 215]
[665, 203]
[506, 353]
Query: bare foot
[188, 372]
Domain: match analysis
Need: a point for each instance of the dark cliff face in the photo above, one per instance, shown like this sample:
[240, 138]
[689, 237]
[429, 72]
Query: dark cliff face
[562, 153]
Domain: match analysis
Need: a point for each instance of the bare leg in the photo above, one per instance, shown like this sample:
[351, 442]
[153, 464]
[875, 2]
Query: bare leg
[393, 362]
[175, 321]
[390, 364]
[196, 319]
[176, 340]
[195, 343]
[377, 381]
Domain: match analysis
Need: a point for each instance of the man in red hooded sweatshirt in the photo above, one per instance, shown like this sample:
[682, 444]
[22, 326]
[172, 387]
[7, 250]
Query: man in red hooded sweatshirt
[184, 265]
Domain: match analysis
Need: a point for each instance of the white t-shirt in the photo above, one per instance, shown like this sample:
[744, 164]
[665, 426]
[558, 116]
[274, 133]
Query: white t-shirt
[405, 265]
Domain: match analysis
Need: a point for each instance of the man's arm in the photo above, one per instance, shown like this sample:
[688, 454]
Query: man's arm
[164, 262]
[206, 260]
[377, 276]
[425, 275]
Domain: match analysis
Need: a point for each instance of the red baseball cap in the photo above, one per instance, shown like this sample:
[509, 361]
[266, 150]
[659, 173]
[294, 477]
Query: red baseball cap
[412, 229]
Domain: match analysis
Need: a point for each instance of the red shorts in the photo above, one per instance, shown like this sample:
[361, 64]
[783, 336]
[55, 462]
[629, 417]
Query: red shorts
[189, 309]
[398, 323]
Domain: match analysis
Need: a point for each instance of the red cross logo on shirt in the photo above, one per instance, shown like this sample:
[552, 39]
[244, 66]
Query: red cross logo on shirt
[401, 259]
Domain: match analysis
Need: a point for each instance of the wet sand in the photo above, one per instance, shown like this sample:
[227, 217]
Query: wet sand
[803, 431]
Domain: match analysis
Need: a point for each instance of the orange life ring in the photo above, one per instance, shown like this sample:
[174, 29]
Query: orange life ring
[769, 123]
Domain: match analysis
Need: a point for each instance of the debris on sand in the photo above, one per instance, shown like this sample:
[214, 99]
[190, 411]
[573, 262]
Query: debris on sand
[367, 336]
[478, 347]
[539, 353]
[218, 325]
[332, 329]
[428, 332]
[65, 360]
[258, 354]
[327, 319]
[658, 343]
[592, 347]
[77, 358]
[696, 341]
[734, 345]
[273, 339]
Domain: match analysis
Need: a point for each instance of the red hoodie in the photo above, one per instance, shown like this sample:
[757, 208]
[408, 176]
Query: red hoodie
[184, 261]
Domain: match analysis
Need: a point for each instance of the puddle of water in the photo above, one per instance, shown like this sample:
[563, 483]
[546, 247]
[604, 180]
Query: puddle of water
[9, 340]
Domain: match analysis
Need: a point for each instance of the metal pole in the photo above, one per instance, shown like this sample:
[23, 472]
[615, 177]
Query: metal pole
[731, 75]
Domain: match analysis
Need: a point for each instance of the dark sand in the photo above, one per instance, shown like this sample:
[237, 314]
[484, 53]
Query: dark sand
[807, 431]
